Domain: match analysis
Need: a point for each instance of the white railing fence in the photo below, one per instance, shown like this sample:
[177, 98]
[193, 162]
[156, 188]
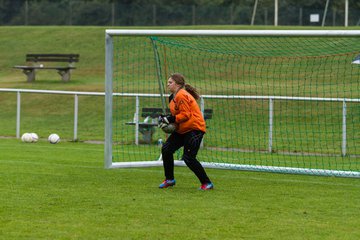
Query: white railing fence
[271, 100]
[76, 103]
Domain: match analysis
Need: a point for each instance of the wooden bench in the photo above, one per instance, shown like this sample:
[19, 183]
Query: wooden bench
[148, 126]
[36, 62]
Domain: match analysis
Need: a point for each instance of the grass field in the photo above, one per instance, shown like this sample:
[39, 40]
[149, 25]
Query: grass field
[63, 192]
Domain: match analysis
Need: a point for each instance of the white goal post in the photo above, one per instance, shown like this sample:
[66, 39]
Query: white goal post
[265, 99]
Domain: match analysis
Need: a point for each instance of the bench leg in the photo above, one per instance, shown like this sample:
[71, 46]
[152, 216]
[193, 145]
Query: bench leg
[30, 73]
[147, 134]
[65, 75]
[147, 137]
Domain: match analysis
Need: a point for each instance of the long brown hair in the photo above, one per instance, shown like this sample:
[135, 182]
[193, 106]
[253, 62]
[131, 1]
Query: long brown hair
[180, 80]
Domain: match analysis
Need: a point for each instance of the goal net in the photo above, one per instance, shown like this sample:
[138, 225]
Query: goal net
[277, 101]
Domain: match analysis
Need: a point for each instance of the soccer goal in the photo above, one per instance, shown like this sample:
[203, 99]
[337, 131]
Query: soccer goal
[274, 100]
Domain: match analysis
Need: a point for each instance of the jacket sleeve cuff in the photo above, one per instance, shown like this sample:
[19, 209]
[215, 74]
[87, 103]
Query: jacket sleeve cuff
[171, 119]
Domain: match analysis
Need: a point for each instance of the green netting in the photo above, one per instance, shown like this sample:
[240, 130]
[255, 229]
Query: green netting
[276, 101]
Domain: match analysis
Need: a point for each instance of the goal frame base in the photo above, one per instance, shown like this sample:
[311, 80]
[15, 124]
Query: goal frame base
[243, 167]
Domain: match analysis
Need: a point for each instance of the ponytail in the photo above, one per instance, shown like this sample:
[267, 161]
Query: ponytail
[193, 91]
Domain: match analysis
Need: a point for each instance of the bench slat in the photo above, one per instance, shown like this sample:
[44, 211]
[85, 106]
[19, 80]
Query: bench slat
[38, 67]
[52, 54]
[51, 60]
[52, 57]
[153, 112]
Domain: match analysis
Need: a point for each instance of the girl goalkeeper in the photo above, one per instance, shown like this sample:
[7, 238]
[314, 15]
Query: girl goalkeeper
[190, 129]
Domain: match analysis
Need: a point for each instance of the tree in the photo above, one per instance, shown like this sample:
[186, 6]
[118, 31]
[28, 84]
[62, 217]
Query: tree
[8, 9]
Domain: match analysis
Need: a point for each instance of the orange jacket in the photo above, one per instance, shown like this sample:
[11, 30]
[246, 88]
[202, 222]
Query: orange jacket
[187, 113]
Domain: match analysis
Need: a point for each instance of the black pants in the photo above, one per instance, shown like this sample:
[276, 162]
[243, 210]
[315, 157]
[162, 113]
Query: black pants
[191, 142]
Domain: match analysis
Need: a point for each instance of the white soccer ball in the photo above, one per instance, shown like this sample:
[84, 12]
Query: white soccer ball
[53, 138]
[34, 137]
[170, 128]
[26, 137]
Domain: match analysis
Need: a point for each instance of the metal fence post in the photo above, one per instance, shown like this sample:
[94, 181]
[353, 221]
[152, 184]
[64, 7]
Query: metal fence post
[271, 119]
[76, 111]
[343, 143]
[137, 106]
[18, 106]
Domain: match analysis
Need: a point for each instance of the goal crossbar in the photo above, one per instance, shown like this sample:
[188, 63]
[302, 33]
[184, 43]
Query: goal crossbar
[139, 32]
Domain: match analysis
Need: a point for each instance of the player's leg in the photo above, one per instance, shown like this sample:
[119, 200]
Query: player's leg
[192, 142]
[173, 143]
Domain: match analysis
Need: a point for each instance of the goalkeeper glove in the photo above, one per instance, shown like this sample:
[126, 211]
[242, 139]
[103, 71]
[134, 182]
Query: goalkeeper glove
[164, 121]
[168, 119]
